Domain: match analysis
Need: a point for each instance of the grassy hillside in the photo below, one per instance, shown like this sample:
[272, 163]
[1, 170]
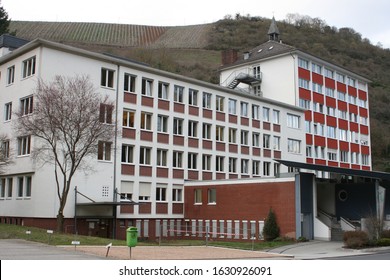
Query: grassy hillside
[195, 51]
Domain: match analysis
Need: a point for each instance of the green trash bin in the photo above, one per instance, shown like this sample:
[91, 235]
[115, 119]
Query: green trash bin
[131, 236]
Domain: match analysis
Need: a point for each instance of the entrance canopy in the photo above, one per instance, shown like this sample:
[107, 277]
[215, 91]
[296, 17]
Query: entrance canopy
[337, 170]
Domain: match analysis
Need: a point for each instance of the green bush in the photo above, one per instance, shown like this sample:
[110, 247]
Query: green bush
[271, 229]
[355, 239]
[383, 242]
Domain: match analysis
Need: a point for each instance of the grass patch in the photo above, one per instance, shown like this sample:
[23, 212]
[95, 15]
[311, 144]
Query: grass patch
[40, 235]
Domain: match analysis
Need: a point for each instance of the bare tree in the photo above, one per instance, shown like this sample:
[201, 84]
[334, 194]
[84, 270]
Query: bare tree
[5, 153]
[69, 119]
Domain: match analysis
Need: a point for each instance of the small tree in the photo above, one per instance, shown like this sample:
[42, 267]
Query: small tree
[271, 229]
[68, 121]
[4, 21]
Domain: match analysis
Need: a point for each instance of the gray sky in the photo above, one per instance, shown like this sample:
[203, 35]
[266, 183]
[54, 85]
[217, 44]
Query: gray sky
[369, 18]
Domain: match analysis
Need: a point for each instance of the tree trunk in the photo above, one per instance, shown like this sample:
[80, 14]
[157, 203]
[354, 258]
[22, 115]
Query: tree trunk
[60, 222]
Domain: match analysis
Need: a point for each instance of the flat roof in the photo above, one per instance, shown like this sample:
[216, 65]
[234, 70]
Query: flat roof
[337, 170]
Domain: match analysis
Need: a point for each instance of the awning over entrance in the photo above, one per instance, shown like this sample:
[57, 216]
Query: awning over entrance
[337, 170]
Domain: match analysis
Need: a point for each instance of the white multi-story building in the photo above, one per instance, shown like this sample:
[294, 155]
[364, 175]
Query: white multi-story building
[172, 129]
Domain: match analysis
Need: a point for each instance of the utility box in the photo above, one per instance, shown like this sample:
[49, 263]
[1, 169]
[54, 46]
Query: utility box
[131, 236]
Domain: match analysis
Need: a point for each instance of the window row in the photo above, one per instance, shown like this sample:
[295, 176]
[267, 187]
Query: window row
[319, 152]
[19, 187]
[342, 96]
[319, 69]
[23, 147]
[195, 161]
[28, 70]
[161, 195]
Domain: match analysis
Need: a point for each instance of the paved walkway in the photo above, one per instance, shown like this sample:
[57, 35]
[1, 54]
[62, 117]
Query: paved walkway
[15, 249]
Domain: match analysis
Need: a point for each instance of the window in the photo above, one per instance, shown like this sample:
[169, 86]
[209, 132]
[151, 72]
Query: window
[305, 104]
[147, 86]
[5, 150]
[192, 160]
[193, 97]
[162, 157]
[146, 121]
[276, 143]
[127, 153]
[340, 78]
[244, 109]
[129, 83]
[192, 129]
[107, 78]
[128, 118]
[344, 156]
[26, 106]
[244, 137]
[332, 155]
[219, 100]
[244, 166]
[329, 92]
[255, 139]
[365, 160]
[219, 162]
[177, 159]
[20, 186]
[331, 111]
[177, 126]
[232, 106]
[144, 155]
[266, 114]
[343, 114]
[232, 165]
[319, 129]
[177, 195]
[317, 87]
[178, 94]
[293, 121]
[9, 187]
[343, 135]
[266, 141]
[161, 194]
[212, 196]
[331, 132]
[219, 133]
[206, 162]
[28, 67]
[341, 96]
[24, 144]
[207, 100]
[8, 111]
[198, 196]
[105, 115]
[266, 168]
[2, 187]
[329, 73]
[206, 131]
[162, 123]
[303, 63]
[232, 135]
[255, 167]
[309, 151]
[104, 150]
[316, 68]
[304, 83]
[294, 146]
[276, 117]
[11, 75]
[163, 90]
[276, 169]
[308, 126]
[255, 112]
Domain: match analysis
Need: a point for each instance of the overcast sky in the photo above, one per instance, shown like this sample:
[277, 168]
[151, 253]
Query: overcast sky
[369, 18]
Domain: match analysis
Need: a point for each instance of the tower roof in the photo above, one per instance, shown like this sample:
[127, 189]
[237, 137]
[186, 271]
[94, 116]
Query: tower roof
[273, 30]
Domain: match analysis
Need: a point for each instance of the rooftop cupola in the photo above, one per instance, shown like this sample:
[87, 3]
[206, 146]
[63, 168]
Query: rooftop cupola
[273, 31]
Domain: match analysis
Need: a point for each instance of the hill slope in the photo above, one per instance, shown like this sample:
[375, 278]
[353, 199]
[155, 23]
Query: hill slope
[195, 51]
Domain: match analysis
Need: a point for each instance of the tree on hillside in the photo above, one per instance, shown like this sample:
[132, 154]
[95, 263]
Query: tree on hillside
[4, 21]
[70, 122]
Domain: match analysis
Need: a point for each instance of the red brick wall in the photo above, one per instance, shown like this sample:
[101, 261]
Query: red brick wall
[246, 201]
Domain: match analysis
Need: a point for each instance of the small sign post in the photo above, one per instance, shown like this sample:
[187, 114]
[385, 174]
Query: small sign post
[75, 243]
[49, 233]
[108, 248]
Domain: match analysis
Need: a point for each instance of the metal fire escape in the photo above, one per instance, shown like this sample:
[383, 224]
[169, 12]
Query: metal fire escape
[242, 76]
